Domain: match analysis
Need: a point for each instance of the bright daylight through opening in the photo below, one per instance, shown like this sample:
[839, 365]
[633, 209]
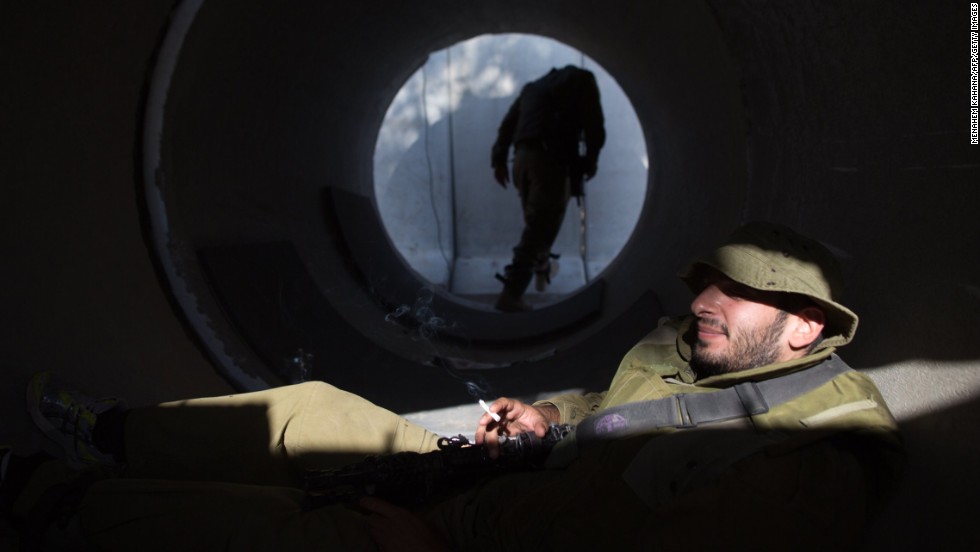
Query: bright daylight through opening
[447, 217]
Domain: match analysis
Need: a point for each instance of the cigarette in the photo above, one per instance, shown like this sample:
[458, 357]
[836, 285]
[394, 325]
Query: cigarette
[494, 415]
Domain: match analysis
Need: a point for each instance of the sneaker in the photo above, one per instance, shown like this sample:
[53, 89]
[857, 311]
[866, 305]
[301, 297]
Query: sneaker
[67, 417]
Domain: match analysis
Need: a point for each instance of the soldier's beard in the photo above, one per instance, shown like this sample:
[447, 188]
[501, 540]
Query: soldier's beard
[745, 350]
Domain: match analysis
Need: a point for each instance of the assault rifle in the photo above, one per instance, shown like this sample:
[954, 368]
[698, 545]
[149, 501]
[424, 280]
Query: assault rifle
[410, 478]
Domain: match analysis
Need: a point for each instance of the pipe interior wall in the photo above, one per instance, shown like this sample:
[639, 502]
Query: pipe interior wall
[848, 121]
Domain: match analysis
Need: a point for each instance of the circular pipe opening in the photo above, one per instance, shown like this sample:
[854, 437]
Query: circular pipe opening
[259, 162]
[438, 201]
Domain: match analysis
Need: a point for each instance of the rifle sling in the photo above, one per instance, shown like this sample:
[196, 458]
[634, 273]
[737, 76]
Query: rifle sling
[688, 410]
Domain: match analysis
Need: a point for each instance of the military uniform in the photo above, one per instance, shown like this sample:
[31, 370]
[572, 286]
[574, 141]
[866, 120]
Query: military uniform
[806, 473]
[545, 124]
[224, 469]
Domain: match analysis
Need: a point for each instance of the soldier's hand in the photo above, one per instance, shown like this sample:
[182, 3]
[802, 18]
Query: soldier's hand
[515, 417]
[501, 175]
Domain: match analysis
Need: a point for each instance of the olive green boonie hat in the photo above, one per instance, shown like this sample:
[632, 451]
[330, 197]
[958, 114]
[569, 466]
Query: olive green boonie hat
[770, 257]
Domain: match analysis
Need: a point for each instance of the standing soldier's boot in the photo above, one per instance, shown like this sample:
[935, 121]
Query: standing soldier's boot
[516, 280]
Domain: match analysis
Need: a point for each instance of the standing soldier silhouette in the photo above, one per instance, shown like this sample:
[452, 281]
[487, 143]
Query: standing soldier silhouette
[546, 124]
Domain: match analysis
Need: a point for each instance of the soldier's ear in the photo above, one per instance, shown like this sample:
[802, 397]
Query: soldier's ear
[805, 327]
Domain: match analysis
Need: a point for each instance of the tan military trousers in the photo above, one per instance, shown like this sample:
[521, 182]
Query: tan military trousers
[222, 473]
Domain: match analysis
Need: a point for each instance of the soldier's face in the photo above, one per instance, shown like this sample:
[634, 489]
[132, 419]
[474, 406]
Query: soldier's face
[737, 328]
